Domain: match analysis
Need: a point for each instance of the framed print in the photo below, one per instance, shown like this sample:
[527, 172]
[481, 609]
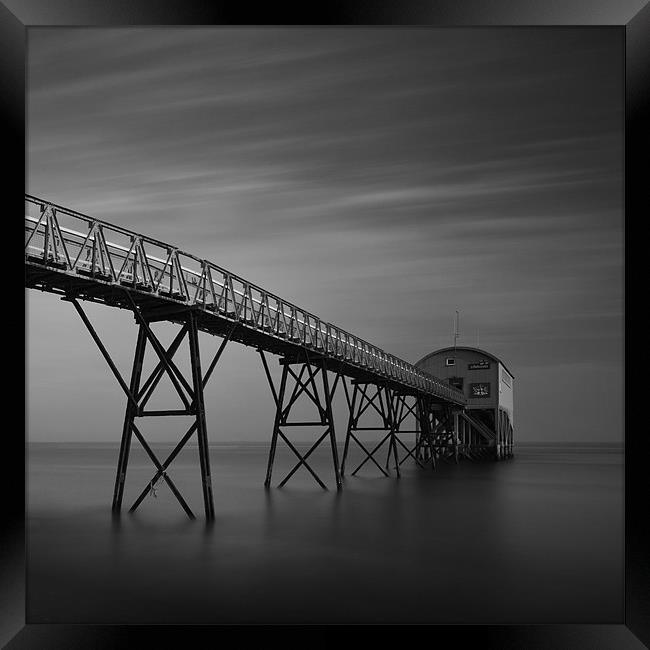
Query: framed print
[240, 234]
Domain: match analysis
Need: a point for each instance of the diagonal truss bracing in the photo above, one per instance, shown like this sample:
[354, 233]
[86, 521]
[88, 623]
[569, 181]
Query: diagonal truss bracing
[376, 400]
[138, 394]
[66, 250]
[83, 258]
[312, 382]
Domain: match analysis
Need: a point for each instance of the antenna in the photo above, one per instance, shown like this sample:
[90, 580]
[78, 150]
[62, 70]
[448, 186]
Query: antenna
[456, 334]
[478, 340]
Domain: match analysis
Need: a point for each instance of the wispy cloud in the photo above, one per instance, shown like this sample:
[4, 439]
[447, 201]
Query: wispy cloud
[382, 178]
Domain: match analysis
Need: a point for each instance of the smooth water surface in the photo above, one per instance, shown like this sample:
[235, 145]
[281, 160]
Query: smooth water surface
[535, 539]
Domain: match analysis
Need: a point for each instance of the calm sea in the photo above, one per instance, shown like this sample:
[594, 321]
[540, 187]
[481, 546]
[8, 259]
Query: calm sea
[535, 539]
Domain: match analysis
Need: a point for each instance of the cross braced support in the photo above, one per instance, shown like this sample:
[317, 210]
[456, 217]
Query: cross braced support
[404, 410]
[443, 436]
[321, 397]
[393, 399]
[138, 394]
[363, 399]
[436, 440]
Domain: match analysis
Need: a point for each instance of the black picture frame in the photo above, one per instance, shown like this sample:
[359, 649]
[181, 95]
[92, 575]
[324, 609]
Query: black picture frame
[631, 16]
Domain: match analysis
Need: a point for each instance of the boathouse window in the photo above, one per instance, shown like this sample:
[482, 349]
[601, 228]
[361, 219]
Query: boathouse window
[456, 382]
[481, 389]
[450, 361]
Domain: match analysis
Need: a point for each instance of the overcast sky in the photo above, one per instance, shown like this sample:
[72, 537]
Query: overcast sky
[380, 178]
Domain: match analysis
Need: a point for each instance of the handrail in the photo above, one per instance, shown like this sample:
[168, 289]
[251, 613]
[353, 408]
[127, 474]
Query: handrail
[208, 286]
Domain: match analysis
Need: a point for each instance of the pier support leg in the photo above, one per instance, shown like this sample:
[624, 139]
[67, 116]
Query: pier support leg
[304, 384]
[424, 451]
[201, 425]
[401, 411]
[279, 400]
[138, 394]
[329, 417]
[367, 398]
[437, 439]
[393, 399]
[129, 416]
[351, 411]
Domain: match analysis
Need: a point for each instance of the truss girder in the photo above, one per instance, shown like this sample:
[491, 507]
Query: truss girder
[74, 245]
[83, 258]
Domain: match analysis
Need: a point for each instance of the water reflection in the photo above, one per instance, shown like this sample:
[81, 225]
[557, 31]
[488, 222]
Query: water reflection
[537, 537]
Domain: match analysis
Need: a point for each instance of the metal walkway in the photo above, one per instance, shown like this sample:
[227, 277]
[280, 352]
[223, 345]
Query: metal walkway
[83, 258]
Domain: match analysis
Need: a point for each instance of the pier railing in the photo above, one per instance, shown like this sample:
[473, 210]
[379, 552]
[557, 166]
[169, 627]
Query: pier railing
[77, 244]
